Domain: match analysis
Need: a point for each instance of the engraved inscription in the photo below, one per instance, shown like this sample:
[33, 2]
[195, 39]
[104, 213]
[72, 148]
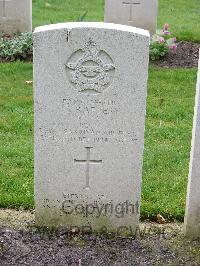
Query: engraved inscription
[90, 69]
[92, 108]
[86, 134]
[89, 135]
[131, 4]
[88, 161]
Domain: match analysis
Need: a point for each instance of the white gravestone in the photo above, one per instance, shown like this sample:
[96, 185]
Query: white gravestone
[192, 217]
[90, 101]
[136, 13]
[15, 16]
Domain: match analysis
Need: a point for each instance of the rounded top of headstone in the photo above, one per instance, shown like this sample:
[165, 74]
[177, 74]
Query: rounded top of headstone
[96, 25]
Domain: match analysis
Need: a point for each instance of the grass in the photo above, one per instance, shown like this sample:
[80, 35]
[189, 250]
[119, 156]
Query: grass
[183, 15]
[16, 131]
[167, 140]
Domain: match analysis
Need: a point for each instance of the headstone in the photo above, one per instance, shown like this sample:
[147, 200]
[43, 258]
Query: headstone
[192, 217]
[136, 13]
[15, 16]
[90, 97]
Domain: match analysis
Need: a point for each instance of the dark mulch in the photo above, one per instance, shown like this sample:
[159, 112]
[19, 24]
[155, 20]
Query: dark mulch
[186, 56]
[28, 59]
[34, 248]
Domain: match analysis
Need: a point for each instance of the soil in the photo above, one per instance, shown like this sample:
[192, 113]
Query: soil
[23, 244]
[186, 56]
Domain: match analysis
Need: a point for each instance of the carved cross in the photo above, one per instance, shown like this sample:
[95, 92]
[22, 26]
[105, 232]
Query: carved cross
[87, 162]
[130, 4]
[3, 7]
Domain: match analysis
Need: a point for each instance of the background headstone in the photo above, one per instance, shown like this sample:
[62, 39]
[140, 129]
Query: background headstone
[90, 101]
[15, 16]
[136, 13]
[192, 217]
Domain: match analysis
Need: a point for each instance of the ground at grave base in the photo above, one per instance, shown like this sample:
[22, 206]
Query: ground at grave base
[23, 244]
[186, 56]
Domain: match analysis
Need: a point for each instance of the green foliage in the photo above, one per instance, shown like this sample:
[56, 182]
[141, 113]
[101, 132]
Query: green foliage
[16, 47]
[158, 50]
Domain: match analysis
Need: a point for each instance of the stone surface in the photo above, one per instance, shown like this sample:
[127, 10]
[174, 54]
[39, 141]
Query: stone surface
[136, 13]
[15, 16]
[90, 101]
[192, 217]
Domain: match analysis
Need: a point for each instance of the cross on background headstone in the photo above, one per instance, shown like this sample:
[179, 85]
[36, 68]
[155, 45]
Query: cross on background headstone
[136, 13]
[88, 161]
[130, 4]
[3, 7]
[15, 16]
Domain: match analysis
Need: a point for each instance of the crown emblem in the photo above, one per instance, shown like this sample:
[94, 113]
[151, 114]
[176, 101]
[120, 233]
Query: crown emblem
[93, 71]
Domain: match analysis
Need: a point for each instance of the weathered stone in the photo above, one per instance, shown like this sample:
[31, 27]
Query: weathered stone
[90, 101]
[15, 16]
[136, 13]
[192, 217]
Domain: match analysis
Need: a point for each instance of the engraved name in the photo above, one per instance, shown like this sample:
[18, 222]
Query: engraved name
[93, 107]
